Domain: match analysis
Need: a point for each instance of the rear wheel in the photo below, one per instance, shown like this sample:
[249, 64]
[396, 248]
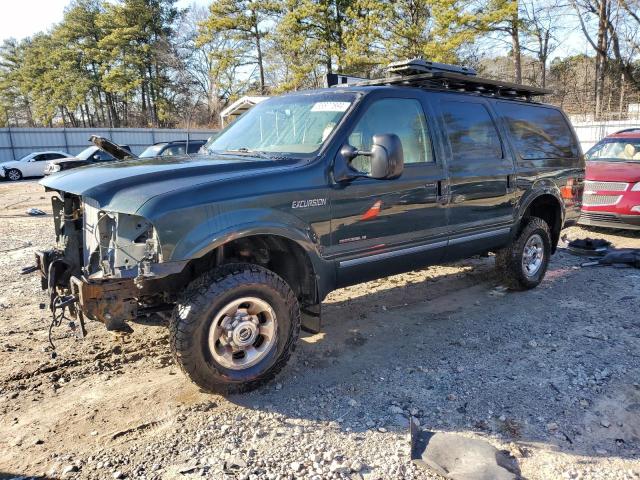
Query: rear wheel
[14, 174]
[234, 329]
[524, 262]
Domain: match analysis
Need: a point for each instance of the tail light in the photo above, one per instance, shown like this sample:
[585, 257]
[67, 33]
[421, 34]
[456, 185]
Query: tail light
[571, 190]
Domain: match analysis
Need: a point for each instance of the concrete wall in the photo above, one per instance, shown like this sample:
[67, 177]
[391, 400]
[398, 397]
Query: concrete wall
[15, 143]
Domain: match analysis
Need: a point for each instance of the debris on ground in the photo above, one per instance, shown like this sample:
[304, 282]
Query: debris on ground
[36, 212]
[587, 246]
[457, 457]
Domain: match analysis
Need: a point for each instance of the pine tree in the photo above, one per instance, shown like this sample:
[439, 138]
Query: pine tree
[246, 22]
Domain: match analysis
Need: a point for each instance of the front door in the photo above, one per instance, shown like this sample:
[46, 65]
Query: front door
[481, 176]
[380, 227]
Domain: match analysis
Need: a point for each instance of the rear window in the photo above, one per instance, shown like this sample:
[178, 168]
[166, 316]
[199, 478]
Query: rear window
[538, 132]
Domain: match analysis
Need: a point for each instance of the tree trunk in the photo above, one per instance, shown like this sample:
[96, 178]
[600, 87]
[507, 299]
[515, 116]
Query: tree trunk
[259, 53]
[601, 57]
[515, 44]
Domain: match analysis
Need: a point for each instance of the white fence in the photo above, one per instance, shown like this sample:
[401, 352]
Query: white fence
[18, 142]
[589, 133]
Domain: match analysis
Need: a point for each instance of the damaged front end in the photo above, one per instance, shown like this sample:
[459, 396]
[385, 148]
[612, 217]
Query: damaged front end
[106, 266]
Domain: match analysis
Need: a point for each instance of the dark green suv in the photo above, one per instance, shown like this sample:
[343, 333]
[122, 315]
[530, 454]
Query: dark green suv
[306, 193]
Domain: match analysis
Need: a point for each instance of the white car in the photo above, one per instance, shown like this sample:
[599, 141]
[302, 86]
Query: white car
[31, 165]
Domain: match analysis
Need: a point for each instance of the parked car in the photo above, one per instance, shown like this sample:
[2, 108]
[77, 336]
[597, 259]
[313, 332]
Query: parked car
[174, 148]
[32, 165]
[309, 192]
[612, 185]
[103, 150]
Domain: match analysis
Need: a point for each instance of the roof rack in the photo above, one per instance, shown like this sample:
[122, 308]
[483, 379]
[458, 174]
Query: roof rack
[425, 74]
[419, 65]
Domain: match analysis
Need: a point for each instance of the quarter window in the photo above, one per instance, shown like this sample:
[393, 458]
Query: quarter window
[401, 116]
[471, 131]
[538, 132]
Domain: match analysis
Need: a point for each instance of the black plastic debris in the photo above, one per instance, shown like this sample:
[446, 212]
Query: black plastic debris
[623, 257]
[458, 457]
[588, 246]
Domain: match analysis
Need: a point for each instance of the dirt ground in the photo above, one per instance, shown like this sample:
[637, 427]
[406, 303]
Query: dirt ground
[550, 375]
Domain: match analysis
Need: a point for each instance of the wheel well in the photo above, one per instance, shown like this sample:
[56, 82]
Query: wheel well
[547, 207]
[281, 255]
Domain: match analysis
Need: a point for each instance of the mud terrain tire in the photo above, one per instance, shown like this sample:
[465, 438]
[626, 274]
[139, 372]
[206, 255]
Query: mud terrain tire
[510, 261]
[201, 303]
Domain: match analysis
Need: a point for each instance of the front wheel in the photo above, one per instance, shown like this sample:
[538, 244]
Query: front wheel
[524, 262]
[235, 328]
[14, 174]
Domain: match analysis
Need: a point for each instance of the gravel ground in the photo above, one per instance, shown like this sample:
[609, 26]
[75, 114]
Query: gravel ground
[549, 375]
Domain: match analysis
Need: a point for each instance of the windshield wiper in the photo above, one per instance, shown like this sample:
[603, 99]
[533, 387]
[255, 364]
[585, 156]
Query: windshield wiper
[248, 152]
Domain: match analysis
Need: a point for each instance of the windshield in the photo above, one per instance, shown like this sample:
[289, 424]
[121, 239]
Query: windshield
[86, 153]
[619, 150]
[152, 151]
[294, 125]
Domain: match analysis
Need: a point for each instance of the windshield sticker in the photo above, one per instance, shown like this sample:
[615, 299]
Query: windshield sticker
[330, 106]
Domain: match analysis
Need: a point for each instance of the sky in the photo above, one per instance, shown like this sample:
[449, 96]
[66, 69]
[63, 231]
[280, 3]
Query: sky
[22, 18]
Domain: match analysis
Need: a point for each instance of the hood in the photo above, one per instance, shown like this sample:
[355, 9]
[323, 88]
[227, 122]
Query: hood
[115, 150]
[617, 171]
[125, 186]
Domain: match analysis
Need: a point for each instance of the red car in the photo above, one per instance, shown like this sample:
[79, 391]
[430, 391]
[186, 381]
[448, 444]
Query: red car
[612, 182]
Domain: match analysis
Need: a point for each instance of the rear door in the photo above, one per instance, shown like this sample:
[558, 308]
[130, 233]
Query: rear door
[384, 226]
[481, 175]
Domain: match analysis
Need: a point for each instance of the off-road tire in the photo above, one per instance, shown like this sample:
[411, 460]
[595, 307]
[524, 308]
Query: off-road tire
[509, 259]
[13, 172]
[195, 311]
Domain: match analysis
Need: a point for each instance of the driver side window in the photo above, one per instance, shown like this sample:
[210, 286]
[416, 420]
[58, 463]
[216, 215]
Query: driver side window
[401, 116]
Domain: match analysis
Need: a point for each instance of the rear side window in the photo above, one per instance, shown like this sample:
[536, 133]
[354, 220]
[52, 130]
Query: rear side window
[538, 132]
[194, 147]
[471, 131]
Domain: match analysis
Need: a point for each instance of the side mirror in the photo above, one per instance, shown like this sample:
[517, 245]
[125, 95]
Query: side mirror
[387, 158]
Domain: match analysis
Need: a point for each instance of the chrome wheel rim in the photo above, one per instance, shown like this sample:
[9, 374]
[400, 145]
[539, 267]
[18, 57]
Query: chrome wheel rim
[533, 255]
[13, 175]
[242, 333]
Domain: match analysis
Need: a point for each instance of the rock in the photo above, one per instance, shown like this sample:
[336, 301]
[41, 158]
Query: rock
[605, 423]
[118, 474]
[353, 403]
[451, 397]
[356, 466]
[337, 467]
[224, 429]
[315, 457]
[533, 343]
[295, 466]
[68, 470]
[552, 426]
[327, 456]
